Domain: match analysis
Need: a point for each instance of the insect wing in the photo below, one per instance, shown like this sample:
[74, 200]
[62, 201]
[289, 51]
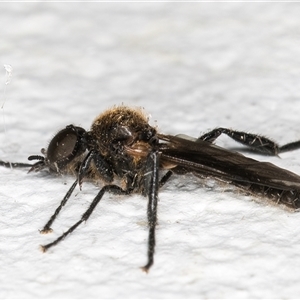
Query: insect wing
[209, 160]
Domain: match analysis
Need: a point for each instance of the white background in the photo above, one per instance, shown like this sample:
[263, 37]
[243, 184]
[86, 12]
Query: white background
[193, 67]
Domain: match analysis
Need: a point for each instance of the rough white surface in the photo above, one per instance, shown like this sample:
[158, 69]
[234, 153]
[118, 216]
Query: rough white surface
[193, 67]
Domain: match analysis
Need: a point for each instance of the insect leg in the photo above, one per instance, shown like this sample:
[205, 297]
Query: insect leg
[153, 164]
[14, 165]
[257, 142]
[165, 178]
[82, 171]
[103, 168]
[114, 189]
[47, 227]
[289, 147]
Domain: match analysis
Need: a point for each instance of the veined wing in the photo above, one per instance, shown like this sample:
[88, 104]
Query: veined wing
[207, 159]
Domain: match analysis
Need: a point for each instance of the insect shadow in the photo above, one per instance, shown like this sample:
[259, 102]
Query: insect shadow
[127, 155]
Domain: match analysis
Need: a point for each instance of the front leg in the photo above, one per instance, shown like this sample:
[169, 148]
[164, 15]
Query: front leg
[47, 228]
[103, 167]
[104, 171]
[114, 189]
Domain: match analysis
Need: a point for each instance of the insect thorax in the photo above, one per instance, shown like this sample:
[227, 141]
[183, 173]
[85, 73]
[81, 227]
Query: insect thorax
[124, 138]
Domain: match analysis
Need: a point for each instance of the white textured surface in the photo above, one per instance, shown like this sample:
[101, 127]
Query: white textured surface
[193, 67]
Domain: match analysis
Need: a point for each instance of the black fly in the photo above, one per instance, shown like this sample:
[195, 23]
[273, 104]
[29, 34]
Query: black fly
[129, 156]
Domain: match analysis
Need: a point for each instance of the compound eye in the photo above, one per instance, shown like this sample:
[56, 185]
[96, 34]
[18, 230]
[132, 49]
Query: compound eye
[65, 146]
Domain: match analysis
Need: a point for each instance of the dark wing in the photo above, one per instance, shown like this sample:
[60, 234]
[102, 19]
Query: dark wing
[206, 159]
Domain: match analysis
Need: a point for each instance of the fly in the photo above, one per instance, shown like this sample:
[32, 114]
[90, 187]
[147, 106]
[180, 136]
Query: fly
[127, 155]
